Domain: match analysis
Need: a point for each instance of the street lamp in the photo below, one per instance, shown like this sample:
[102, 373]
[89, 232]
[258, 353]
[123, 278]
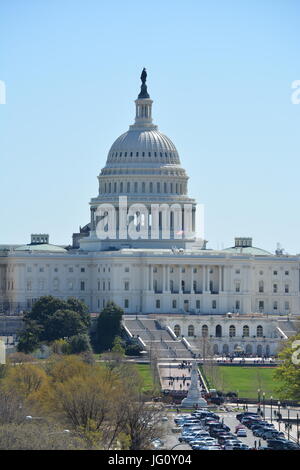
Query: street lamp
[258, 399]
[298, 428]
[288, 423]
[279, 414]
[264, 404]
[271, 409]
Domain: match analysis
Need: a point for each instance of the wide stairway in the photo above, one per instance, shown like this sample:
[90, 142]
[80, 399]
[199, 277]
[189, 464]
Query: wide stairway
[157, 341]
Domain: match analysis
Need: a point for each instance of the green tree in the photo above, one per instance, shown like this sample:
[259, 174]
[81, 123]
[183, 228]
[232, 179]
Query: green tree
[289, 371]
[45, 308]
[80, 343]
[64, 324]
[108, 326]
[29, 338]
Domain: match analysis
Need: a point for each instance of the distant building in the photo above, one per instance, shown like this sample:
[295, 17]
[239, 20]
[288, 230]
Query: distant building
[175, 276]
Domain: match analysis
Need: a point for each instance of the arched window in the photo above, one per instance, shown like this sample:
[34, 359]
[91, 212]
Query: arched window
[218, 331]
[249, 349]
[204, 331]
[177, 330]
[225, 349]
[216, 349]
[259, 331]
[191, 330]
[232, 331]
[261, 286]
[246, 330]
[259, 350]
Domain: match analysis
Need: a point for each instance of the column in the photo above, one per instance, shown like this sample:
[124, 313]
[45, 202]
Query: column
[192, 280]
[151, 277]
[163, 278]
[220, 279]
[204, 278]
[179, 275]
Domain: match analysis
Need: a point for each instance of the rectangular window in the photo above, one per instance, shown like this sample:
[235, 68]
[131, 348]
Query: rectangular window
[82, 270]
[261, 305]
[275, 305]
[274, 288]
[214, 304]
[174, 304]
[286, 273]
[237, 287]
[286, 288]
[126, 303]
[237, 304]
[82, 285]
[126, 285]
[286, 305]
[198, 304]
[157, 303]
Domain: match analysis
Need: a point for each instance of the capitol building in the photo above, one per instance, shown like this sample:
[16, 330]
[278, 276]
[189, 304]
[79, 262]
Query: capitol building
[242, 296]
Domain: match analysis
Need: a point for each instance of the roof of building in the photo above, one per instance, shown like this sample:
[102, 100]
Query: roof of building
[43, 247]
[248, 250]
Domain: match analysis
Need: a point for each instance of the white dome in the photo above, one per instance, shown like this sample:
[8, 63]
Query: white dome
[148, 145]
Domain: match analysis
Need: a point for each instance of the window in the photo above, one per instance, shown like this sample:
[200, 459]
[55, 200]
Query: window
[286, 288]
[194, 270]
[286, 273]
[214, 304]
[237, 271]
[198, 304]
[29, 285]
[183, 270]
[286, 305]
[218, 331]
[275, 273]
[261, 286]
[41, 270]
[275, 288]
[246, 331]
[177, 330]
[174, 304]
[171, 285]
[275, 305]
[204, 331]
[126, 285]
[127, 269]
[70, 270]
[157, 304]
[70, 285]
[55, 270]
[82, 285]
[191, 330]
[29, 269]
[259, 331]
[126, 303]
[232, 331]
[237, 304]
[261, 306]
[261, 273]
[82, 270]
[237, 287]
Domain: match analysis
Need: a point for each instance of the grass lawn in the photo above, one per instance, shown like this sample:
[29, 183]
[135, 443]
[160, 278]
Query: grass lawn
[145, 371]
[245, 380]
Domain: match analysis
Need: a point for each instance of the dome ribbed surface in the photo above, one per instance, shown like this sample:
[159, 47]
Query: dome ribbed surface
[150, 144]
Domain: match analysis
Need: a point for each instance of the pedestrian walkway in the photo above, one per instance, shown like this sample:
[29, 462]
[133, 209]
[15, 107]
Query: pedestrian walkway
[175, 376]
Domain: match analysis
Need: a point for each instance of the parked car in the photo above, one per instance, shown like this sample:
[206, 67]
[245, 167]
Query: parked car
[241, 433]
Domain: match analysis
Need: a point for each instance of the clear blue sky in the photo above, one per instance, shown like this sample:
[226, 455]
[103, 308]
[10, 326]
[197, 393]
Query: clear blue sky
[220, 74]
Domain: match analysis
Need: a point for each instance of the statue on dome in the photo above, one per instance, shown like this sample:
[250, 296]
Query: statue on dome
[144, 76]
[144, 93]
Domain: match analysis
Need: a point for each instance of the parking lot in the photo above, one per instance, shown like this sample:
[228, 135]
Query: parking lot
[218, 431]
